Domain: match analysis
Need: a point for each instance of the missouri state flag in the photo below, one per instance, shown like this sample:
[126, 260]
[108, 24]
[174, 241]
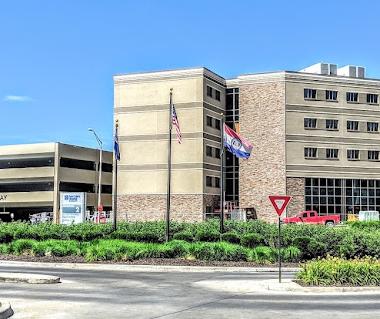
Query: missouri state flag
[236, 144]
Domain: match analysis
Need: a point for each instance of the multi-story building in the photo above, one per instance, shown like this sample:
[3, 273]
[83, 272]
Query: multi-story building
[315, 136]
[33, 175]
[142, 109]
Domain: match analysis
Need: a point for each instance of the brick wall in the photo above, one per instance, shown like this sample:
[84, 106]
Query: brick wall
[262, 122]
[295, 187]
[142, 207]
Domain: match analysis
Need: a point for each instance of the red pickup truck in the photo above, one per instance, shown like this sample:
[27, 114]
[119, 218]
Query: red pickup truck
[312, 217]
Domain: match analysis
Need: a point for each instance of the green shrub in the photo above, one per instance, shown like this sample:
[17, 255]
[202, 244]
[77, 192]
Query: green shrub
[263, 255]
[218, 251]
[207, 235]
[291, 254]
[252, 240]
[184, 235]
[21, 246]
[230, 237]
[4, 249]
[340, 272]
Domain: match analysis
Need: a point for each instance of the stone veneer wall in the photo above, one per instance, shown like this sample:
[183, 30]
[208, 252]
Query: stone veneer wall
[262, 122]
[144, 207]
[295, 187]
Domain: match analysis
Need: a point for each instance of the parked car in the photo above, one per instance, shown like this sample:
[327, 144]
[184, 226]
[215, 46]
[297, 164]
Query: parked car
[312, 217]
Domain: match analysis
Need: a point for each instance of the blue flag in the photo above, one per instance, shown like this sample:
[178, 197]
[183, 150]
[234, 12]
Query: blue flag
[116, 148]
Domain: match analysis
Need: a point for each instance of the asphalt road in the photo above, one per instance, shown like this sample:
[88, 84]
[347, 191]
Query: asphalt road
[169, 295]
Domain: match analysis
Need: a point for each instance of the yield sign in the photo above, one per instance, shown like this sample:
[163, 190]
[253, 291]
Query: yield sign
[279, 203]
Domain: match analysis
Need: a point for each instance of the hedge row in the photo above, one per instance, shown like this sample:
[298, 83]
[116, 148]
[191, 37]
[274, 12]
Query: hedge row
[340, 272]
[116, 249]
[356, 240]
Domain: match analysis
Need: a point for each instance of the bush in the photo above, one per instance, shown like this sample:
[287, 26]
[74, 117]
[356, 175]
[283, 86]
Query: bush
[20, 246]
[218, 252]
[230, 237]
[340, 272]
[252, 240]
[291, 254]
[263, 255]
[207, 235]
[184, 235]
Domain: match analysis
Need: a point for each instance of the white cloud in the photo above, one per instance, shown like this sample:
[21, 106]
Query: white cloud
[17, 98]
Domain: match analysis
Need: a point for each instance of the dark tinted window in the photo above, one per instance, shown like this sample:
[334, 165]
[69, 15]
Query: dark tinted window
[76, 163]
[26, 187]
[28, 162]
[107, 167]
[217, 95]
[77, 187]
[217, 124]
[107, 189]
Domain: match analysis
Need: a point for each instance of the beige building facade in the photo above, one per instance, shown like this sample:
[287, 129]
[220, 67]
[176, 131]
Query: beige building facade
[315, 135]
[33, 175]
[142, 111]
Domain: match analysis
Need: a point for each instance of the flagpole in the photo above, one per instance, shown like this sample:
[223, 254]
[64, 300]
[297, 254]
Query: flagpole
[222, 175]
[114, 183]
[167, 234]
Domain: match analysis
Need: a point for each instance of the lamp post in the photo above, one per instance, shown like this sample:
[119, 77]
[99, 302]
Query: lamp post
[100, 168]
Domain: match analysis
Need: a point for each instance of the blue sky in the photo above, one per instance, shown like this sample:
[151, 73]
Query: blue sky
[57, 58]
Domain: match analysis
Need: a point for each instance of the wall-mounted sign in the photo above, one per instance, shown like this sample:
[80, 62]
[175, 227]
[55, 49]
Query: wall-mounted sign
[73, 208]
[3, 197]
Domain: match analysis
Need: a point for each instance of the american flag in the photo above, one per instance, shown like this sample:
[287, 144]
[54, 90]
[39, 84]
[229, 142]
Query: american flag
[176, 125]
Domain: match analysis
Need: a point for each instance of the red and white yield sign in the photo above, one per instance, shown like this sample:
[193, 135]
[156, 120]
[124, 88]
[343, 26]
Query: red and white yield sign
[279, 203]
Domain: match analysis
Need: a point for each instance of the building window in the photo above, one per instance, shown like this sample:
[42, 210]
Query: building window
[331, 95]
[309, 123]
[310, 94]
[217, 153]
[352, 126]
[26, 187]
[209, 151]
[78, 164]
[373, 155]
[106, 189]
[352, 155]
[208, 181]
[331, 124]
[217, 95]
[209, 91]
[217, 124]
[372, 127]
[310, 152]
[372, 98]
[209, 121]
[332, 153]
[106, 167]
[341, 196]
[76, 187]
[28, 162]
[352, 97]
[217, 182]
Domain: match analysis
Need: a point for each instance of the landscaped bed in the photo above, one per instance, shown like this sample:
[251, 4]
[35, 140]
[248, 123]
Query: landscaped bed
[340, 272]
[121, 250]
[243, 242]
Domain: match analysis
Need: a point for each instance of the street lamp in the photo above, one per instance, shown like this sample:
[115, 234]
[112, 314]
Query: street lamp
[100, 168]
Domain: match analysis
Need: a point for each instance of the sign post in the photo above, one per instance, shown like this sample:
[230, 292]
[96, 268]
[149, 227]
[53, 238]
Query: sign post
[279, 203]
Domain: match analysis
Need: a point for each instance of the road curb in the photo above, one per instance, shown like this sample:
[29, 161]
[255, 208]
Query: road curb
[6, 310]
[28, 278]
[288, 285]
[144, 268]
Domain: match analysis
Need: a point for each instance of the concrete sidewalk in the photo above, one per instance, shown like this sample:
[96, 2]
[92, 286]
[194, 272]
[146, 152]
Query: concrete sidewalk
[144, 268]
